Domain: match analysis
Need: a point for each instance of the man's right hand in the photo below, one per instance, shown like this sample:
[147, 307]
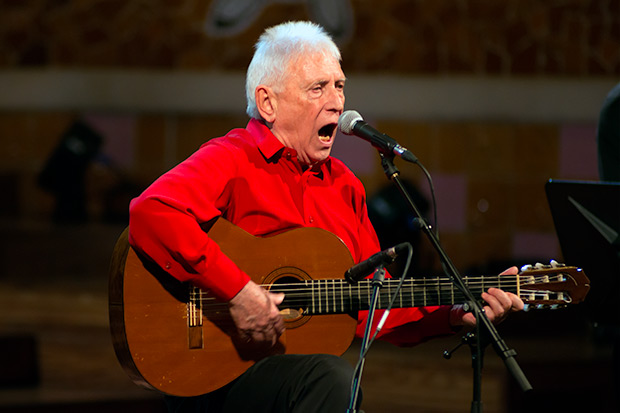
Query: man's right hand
[256, 316]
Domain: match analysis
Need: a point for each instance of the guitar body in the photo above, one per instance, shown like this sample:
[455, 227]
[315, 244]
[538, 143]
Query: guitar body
[162, 347]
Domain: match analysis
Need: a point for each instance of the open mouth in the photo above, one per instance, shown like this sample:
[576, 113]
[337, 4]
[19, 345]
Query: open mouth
[327, 131]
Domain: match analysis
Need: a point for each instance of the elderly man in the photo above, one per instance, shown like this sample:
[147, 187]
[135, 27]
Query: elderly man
[274, 175]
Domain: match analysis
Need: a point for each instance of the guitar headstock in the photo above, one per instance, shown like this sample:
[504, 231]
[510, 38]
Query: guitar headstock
[552, 286]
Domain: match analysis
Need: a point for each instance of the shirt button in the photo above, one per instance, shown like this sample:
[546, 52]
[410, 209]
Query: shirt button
[310, 219]
[168, 265]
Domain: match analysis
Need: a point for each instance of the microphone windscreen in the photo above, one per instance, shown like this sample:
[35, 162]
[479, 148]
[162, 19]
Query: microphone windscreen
[347, 120]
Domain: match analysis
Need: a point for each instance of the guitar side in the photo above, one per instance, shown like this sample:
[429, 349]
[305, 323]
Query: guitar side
[149, 320]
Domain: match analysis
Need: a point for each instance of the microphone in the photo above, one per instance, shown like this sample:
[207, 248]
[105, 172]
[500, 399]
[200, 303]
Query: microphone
[352, 123]
[361, 270]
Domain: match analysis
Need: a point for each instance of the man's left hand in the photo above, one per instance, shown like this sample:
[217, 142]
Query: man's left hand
[498, 305]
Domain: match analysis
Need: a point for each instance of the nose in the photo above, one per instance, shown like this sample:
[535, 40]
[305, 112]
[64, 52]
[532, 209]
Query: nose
[336, 98]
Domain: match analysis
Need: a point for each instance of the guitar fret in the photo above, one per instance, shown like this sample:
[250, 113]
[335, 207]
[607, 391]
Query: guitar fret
[327, 289]
[409, 286]
[327, 295]
[327, 292]
[350, 298]
[428, 288]
[320, 298]
[452, 292]
[326, 310]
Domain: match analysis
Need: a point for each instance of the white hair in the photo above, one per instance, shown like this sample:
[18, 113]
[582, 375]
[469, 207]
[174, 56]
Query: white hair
[276, 48]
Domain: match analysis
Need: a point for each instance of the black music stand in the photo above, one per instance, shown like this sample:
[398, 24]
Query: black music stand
[587, 222]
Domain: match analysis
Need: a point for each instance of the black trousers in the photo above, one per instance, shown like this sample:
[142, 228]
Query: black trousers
[283, 383]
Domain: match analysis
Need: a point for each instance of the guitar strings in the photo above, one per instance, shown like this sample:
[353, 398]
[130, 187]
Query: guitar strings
[416, 285]
[334, 289]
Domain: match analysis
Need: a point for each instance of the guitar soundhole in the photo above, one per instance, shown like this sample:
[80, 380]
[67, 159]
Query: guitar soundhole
[290, 281]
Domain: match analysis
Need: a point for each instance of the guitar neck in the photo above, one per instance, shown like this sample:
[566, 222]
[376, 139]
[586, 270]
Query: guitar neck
[337, 296]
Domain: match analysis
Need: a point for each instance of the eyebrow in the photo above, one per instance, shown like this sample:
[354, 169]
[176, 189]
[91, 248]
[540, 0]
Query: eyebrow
[325, 81]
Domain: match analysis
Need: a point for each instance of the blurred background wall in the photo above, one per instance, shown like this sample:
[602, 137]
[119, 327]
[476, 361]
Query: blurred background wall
[493, 97]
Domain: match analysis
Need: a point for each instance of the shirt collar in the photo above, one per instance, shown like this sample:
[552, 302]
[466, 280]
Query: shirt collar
[272, 149]
[266, 141]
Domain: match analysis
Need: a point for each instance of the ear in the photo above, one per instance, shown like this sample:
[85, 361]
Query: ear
[266, 102]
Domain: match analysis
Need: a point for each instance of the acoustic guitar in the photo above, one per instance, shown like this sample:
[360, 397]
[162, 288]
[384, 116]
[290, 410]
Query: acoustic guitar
[172, 337]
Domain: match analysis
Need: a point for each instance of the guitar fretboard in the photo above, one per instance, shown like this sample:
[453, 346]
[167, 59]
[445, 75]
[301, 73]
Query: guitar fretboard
[337, 296]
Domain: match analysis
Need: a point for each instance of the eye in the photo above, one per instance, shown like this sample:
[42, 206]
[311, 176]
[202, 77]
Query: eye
[317, 90]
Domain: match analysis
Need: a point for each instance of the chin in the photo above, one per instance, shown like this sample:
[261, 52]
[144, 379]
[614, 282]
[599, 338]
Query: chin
[323, 155]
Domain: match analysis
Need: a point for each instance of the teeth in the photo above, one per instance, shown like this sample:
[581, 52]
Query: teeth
[326, 132]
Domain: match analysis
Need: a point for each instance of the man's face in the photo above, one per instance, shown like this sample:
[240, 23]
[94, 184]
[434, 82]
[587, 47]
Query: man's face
[308, 105]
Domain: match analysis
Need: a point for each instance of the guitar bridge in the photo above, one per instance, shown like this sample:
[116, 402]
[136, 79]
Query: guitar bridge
[194, 319]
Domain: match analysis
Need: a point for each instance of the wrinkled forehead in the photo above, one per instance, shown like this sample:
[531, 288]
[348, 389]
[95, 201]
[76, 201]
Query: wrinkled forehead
[313, 66]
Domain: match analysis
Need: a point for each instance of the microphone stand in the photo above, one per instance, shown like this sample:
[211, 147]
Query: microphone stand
[483, 325]
[476, 344]
[377, 283]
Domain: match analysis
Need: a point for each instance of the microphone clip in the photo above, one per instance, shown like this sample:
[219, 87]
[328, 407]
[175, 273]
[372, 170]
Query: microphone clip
[378, 276]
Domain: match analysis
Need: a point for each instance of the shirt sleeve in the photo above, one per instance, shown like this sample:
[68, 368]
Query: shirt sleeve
[166, 222]
[403, 326]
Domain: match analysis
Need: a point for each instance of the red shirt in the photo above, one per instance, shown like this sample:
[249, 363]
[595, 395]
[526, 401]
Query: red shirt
[249, 178]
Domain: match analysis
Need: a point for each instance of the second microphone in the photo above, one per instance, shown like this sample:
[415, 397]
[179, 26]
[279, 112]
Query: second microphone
[361, 270]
